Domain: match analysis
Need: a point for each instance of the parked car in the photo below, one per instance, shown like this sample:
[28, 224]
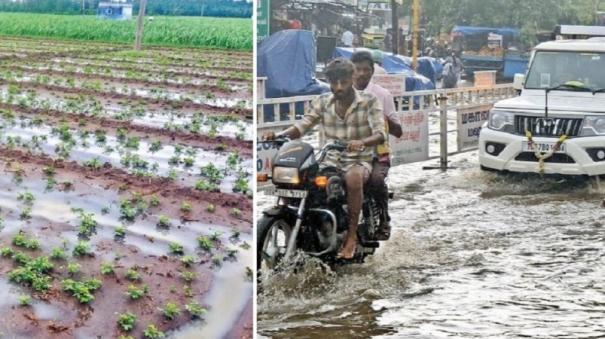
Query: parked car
[557, 124]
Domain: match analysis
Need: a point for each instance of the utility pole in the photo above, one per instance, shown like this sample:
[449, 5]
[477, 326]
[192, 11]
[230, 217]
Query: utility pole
[203, 7]
[415, 31]
[394, 27]
[140, 22]
[83, 6]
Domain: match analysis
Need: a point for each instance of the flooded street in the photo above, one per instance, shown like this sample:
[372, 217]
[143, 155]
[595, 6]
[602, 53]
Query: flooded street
[473, 255]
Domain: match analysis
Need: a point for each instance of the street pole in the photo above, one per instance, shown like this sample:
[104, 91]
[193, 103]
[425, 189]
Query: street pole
[394, 27]
[416, 28]
[140, 23]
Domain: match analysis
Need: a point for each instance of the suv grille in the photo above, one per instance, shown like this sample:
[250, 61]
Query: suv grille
[548, 127]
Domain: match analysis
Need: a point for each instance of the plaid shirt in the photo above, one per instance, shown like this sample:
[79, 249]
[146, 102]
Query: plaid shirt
[362, 120]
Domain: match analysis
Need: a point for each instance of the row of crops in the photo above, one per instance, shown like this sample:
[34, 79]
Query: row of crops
[125, 205]
[173, 31]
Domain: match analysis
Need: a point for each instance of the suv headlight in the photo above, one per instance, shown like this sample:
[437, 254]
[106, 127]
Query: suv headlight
[286, 175]
[501, 121]
[593, 125]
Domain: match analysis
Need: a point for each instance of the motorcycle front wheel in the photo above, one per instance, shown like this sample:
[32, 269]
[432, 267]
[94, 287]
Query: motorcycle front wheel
[272, 234]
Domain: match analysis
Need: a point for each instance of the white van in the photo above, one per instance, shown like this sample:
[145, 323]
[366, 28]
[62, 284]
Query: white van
[557, 124]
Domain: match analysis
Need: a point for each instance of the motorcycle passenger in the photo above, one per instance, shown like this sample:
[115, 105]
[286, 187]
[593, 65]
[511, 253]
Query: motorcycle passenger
[364, 70]
[351, 117]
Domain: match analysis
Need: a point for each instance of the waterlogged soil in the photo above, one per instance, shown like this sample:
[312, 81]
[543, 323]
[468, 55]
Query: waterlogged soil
[473, 255]
[48, 125]
[163, 162]
[54, 223]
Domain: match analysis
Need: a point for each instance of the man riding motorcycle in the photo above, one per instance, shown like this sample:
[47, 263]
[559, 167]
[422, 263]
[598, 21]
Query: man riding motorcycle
[364, 70]
[349, 116]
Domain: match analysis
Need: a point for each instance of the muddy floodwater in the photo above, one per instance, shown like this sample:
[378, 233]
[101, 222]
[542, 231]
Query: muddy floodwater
[473, 255]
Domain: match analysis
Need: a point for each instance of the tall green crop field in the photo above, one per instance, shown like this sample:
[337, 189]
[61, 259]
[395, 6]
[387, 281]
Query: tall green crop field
[226, 33]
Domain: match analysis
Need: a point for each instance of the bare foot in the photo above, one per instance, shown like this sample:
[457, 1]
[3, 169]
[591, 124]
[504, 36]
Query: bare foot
[348, 250]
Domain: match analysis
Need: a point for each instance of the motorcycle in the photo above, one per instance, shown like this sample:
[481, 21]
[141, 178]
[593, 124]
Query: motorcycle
[310, 214]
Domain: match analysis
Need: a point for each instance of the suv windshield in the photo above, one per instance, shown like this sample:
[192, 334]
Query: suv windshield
[551, 69]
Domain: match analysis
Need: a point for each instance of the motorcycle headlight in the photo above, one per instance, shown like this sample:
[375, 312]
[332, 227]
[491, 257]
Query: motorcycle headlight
[593, 125]
[501, 121]
[286, 175]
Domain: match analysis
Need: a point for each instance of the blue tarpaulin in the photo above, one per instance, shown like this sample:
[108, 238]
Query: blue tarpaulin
[468, 30]
[429, 69]
[287, 59]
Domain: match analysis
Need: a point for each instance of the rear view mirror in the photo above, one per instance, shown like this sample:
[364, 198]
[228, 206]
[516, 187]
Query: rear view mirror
[519, 81]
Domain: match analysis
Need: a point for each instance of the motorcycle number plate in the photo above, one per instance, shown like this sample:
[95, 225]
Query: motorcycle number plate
[280, 192]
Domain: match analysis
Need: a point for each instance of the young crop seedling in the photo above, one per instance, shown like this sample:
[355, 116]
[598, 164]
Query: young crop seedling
[27, 198]
[152, 332]
[188, 260]
[58, 253]
[205, 243]
[127, 321]
[82, 290]
[82, 248]
[107, 268]
[26, 213]
[132, 275]
[236, 212]
[88, 224]
[25, 300]
[170, 311]
[176, 248]
[154, 201]
[186, 207]
[164, 221]
[136, 293]
[73, 268]
[217, 260]
[188, 276]
[7, 252]
[120, 232]
[196, 310]
[210, 208]
[21, 240]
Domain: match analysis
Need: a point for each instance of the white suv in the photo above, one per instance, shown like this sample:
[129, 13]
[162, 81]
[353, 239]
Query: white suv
[557, 124]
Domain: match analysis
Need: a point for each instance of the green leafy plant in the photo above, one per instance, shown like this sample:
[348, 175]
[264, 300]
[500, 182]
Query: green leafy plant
[186, 207]
[25, 300]
[164, 221]
[127, 321]
[120, 231]
[58, 253]
[7, 252]
[88, 224]
[154, 201]
[152, 332]
[176, 248]
[82, 248]
[27, 198]
[132, 275]
[107, 268]
[171, 311]
[136, 293]
[82, 290]
[205, 242]
[236, 212]
[196, 310]
[188, 276]
[188, 260]
[210, 208]
[73, 268]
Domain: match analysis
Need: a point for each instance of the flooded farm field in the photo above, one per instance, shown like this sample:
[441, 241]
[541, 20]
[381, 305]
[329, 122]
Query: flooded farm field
[125, 208]
[474, 255]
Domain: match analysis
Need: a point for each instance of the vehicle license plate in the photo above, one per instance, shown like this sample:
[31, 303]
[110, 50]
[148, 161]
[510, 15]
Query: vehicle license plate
[543, 147]
[290, 193]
